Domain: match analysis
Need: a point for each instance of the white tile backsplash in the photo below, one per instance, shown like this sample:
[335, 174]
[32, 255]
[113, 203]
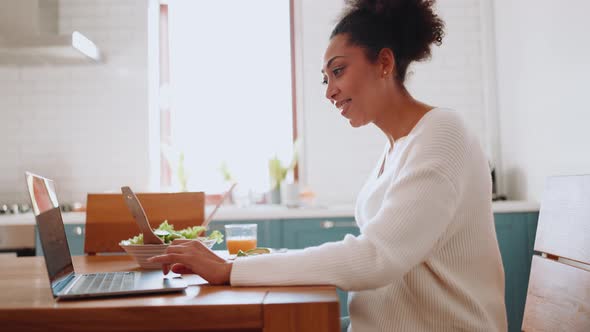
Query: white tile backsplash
[85, 126]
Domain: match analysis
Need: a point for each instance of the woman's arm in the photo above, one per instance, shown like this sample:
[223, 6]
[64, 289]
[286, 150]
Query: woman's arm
[417, 210]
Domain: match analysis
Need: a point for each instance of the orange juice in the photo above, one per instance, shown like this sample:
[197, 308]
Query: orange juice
[234, 245]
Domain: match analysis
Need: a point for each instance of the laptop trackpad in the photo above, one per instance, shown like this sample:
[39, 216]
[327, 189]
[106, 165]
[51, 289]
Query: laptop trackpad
[153, 279]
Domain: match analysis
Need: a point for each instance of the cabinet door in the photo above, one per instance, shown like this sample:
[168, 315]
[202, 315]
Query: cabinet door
[302, 233]
[516, 238]
[532, 219]
[268, 232]
[74, 235]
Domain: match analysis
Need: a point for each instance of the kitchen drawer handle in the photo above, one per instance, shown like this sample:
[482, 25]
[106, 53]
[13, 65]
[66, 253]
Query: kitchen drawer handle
[329, 224]
[78, 230]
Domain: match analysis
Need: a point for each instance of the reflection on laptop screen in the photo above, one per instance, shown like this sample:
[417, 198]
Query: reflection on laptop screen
[51, 228]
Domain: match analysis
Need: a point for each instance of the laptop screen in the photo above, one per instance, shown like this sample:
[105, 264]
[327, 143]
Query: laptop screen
[50, 227]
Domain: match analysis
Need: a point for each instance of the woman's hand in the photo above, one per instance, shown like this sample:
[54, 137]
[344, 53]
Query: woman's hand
[190, 256]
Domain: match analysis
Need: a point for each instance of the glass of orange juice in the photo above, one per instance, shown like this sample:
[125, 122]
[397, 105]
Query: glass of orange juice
[240, 237]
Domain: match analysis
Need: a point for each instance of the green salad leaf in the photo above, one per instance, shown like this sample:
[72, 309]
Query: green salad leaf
[167, 233]
[217, 236]
[253, 252]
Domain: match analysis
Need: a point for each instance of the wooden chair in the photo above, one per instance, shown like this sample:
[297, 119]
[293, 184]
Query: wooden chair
[108, 221]
[558, 297]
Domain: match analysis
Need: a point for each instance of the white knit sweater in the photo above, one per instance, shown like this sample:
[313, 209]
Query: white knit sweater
[427, 258]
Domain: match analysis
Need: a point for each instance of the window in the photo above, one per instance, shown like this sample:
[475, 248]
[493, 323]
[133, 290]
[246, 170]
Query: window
[226, 92]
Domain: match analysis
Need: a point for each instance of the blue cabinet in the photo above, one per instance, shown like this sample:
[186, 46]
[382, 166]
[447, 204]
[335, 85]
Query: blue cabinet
[516, 239]
[75, 236]
[302, 233]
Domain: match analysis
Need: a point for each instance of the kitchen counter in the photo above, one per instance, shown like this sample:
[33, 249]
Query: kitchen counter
[17, 231]
[267, 212]
[515, 206]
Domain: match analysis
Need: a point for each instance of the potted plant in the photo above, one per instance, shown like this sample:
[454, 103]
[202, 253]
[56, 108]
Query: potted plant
[182, 173]
[278, 173]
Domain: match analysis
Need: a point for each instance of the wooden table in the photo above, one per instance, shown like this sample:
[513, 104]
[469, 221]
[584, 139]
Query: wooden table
[26, 304]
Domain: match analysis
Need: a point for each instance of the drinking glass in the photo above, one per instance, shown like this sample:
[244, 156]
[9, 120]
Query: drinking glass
[240, 237]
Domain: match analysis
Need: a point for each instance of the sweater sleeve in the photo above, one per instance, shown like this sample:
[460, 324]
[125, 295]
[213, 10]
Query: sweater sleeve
[418, 206]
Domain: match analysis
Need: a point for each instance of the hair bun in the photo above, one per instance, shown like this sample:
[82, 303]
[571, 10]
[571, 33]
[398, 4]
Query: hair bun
[409, 27]
[379, 7]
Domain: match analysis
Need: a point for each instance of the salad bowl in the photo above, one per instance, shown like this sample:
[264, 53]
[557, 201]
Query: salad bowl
[141, 252]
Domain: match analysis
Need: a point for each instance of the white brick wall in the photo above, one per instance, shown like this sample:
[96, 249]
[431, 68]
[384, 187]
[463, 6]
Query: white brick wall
[454, 76]
[338, 158]
[84, 126]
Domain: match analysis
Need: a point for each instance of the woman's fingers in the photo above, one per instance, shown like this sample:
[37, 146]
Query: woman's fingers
[196, 248]
[167, 261]
[195, 258]
[181, 269]
[179, 250]
[169, 258]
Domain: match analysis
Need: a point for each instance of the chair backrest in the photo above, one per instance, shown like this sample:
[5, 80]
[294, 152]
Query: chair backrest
[558, 297]
[108, 220]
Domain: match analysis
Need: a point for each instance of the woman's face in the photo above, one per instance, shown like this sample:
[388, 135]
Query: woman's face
[352, 81]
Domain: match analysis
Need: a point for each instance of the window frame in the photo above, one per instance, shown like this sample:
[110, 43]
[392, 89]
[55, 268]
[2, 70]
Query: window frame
[166, 171]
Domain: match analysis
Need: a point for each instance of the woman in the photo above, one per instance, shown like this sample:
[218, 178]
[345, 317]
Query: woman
[427, 257]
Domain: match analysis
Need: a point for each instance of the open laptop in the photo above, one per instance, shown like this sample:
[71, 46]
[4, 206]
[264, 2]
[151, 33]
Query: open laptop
[65, 282]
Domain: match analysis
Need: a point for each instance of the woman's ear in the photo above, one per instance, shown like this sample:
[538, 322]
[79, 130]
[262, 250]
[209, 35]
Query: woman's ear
[386, 61]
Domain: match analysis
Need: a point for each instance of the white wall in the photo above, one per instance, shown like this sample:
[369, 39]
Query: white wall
[84, 126]
[337, 157]
[543, 69]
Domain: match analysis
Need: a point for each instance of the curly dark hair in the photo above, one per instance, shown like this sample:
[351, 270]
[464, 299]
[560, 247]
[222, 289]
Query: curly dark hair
[407, 27]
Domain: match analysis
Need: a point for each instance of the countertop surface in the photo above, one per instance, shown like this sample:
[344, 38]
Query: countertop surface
[267, 212]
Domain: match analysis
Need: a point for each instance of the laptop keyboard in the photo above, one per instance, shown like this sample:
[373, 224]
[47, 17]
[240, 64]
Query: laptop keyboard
[103, 283]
